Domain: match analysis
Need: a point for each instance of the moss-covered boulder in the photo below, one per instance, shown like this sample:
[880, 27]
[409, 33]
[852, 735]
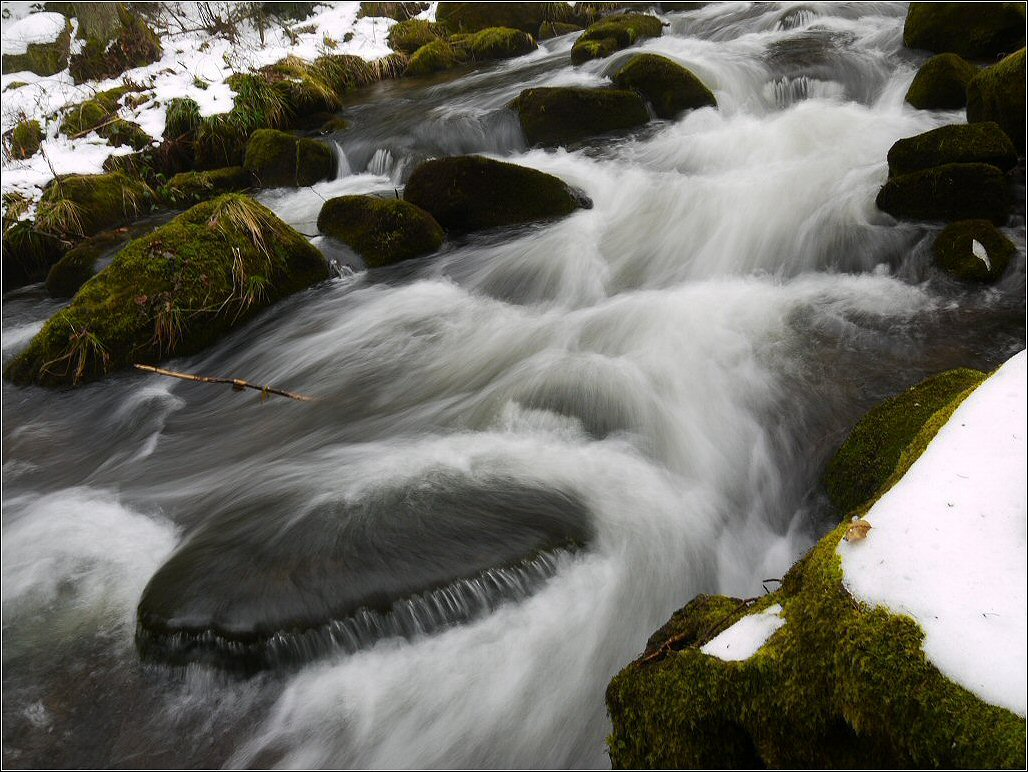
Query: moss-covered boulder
[24, 139]
[436, 56]
[382, 231]
[130, 43]
[409, 36]
[613, 33]
[950, 192]
[972, 30]
[554, 29]
[997, 94]
[397, 11]
[85, 204]
[941, 83]
[869, 457]
[839, 684]
[494, 43]
[472, 17]
[79, 264]
[965, 143]
[188, 188]
[564, 115]
[276, 159]
[91, 114]
[973, 251]
[667, 85]
[44, 57]
[172, 293]
[469, 193]
[28, 254]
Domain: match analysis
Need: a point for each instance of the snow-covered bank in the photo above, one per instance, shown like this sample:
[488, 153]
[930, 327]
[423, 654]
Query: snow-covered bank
[948, 544]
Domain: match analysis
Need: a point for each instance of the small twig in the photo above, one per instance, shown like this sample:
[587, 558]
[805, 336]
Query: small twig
[237, 384]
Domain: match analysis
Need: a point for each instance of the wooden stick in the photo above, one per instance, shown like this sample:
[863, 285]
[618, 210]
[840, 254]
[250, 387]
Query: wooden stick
[237, 384]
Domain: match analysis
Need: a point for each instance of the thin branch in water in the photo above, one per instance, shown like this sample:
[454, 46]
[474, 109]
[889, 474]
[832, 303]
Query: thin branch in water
[237, 384]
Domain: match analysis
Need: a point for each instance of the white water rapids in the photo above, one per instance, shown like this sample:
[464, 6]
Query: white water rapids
[683, 357]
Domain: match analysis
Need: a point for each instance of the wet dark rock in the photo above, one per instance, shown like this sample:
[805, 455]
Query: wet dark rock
[28, 254]
[277, 159]
[564, 115]
[941, 83]
[382, 231]
[668, 86]
[956, 253]
[612, 34]
[972, 30]
[947, 193]
[79, 264]
[954, 144]
[997, 94]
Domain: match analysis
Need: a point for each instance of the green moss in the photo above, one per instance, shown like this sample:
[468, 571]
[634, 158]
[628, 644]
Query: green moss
[941, 83]
[172, 292]
[983, 143]
[79, 265]
[612, 34]
[554, 29]
[332, 125]
[220, 140]
[871, 454]
[397, 11]
[121, 132]
[93, 113]
[382, 231]
[472, 17]
[495, 43]
[83, 205]
[41, 58]
[947, 193]
[434, 57]
[975, 31]
[277, 159]
[997, 94]
[468, 193]
[134, 44]
[953, 252]
[409, 36]
[665, 84]
[188, 188]
[840, 685]
[27, 254]
[563, 115]
[25, 138]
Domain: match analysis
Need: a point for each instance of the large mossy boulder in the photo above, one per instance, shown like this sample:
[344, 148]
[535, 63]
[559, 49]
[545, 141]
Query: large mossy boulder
[973, 251]
[45, 56]
[279, 160]
[188, 188]
[950, 192]
[566, 114]
[382, 231]
[112, 46]
[613, 33]
[433, 57]
[668, 86]
[85, 204]
[997, 94]
[469, 193]
[473, 17]
[79, 264]
[983, 143]
[941, 83]
[172, 293]
[409, 36]
[841, 684]
[28, 254]
[972, 30]
[494, 43]
[869, 457]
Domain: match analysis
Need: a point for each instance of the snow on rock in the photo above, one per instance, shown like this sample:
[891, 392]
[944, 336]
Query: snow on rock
[948, 547]
[744, 639]
[36, 28]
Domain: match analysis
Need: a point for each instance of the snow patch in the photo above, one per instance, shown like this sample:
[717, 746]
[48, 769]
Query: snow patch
[745, 638]
[37, 28]
[949, 543]
[978, 250]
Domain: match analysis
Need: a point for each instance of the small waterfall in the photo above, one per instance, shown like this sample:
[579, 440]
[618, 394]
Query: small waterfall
[342, 162]
[785, 91]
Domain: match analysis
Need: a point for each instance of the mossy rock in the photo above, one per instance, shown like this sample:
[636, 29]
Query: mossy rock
[437, 56]
[41, 58]
[409, 36]
[554, 29]
[964, 143]
[120, 132]
[382, 231]
[25, 138]
[972, 30]
[87, 116]
[469, 193]
[79, 264]
[564, 115]
[188, 188]
[950, 192]
[134, 44]
[954, 251]
[397, 11]
[182, 117]
[85, 204]
[289, 11]
[28, 254]
[665, 84]
[869, 457]
[997, 94]
[334, 124]
[613, 33]
[494, 43]
[276, 159]
[473, 17]
[172, 293]
[941, 83]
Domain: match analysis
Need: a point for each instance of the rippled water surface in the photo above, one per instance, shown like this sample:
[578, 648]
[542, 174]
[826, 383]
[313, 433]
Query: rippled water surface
[528, 449]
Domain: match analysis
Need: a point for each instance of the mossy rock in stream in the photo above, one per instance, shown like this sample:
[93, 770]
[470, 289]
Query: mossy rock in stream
[963, 143]
[954, 251]
[24, 139]
[472, 17]
[947, 193]
[436, 56]
[41, 58]
[172, 292]
[614, 33]
[409, 36]
[28, 254]
[85, 204]
[131, 44]
[941, 83]
[494, 43]
[972, 30]
[277, 159]
[997, 94]
[382, 231]
[870, 455]
[188, 188]
[668, 86]
[79, 265]
[564, 114]
[469, 193]
[554, 29]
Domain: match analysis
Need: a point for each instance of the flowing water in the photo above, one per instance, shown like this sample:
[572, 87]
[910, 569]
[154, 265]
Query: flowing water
[560, 433]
